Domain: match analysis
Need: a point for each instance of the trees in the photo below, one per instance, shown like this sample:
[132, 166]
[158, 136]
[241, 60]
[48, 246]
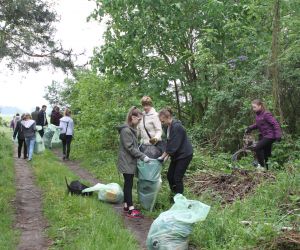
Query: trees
[26, 35]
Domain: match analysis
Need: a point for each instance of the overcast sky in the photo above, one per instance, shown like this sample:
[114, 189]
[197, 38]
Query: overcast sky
[25, 90]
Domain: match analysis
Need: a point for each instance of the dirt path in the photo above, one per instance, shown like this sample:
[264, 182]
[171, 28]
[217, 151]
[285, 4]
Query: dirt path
[138, 227]
[28, 203]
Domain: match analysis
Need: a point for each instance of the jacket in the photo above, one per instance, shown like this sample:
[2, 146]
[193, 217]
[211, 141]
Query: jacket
[153, 126]
[178, 144]
[28, 128]
[35, 115]
[267, 125]
[55, 118]
[66, 125]
[19, 131]
[42, 118]
[128, 150]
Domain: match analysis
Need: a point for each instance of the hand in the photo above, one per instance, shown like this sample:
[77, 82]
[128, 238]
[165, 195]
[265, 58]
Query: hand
[160, 159]
[153, 141]
[247, 130]
[146, 159]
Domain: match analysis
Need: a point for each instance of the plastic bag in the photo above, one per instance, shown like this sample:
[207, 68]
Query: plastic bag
[48, 137]
[149, 183]
[39, 146]
[171, 229]
[151, 151]
[56, 142]
[111, 192]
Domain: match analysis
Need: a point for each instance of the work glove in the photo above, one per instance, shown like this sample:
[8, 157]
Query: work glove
[247, 130]
[153, 141]
[146, 159]
[160, 159]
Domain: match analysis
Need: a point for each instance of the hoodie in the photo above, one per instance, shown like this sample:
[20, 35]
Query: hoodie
[28, 127]
[66, 125]
[129, 151]
[178, 144]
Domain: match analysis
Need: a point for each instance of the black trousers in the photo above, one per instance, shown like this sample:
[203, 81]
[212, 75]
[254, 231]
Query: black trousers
[263, 150]
[20, 145]
[128, 184]
[67, 146]
[176, 172]
[41, 132]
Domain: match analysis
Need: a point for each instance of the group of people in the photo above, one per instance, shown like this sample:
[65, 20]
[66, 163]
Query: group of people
[25, 127]
[149, 126]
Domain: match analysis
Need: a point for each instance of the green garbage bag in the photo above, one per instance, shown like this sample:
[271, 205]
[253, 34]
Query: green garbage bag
[39, 146]
[111, 192]
[171, 229]
[149, 183]
[56, 142]
[48, 137]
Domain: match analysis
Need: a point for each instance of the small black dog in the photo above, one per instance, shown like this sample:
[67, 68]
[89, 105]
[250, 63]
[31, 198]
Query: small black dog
[76, 187]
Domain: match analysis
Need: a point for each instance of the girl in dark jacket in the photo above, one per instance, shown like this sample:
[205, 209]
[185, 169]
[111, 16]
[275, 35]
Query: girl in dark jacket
[129, 153]
[178, 147]
[21, 139]
[269, 132]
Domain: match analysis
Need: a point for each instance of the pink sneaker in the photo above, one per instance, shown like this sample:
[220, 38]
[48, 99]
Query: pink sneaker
[134, 213]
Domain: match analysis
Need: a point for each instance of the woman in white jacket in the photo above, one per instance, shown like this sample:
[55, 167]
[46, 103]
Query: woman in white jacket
[149, 128]
[66, 126]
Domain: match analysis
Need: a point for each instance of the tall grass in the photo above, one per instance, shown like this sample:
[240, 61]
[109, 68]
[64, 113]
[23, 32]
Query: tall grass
[8, 235]
[77, 222]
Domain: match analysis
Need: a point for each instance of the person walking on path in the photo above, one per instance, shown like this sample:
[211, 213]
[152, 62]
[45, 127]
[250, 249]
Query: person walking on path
[21, 139]
[16, 119]
[127, 160]
[35, 114]
[42, 120]
[28, 127]
[179, 148]
[66, 126]
[55, 116]
[269, 132]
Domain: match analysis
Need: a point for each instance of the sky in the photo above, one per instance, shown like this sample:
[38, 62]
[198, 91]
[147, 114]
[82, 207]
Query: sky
[25, 90]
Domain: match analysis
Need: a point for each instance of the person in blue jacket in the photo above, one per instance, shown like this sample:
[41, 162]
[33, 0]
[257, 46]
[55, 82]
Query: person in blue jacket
[178, 147]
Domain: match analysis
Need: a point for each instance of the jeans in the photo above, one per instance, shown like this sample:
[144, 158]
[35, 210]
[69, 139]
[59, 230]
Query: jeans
[176, 172]
[263, 151]
[30, 141]
[20, 145]
[67, 146]
[128, 184]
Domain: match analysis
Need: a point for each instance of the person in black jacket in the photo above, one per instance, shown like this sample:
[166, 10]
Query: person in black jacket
[21, 139]
[178, 147]
[55, 116]
[42, 120]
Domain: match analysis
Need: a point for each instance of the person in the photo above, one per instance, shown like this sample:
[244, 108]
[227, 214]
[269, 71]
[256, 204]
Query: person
[35, 114]
[66, 126]
[12, 125]
[179, 148]
[127, 159]
[55, 116]
[16, 119]
[29, 128]
[269, 132]
[21, 139]
[42, 120]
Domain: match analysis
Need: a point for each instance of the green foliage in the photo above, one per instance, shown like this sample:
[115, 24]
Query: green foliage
[8, 236]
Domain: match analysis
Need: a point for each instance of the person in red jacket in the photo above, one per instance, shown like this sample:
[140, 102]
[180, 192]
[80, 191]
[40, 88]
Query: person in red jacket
[269, 132]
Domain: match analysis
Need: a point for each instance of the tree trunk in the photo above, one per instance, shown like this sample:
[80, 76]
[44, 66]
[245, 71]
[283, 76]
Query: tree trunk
[177, 100]
[274, 66]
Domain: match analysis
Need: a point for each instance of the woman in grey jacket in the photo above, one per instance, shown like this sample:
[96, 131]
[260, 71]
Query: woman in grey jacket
[66, 126]
[29, 129]
[127, 160]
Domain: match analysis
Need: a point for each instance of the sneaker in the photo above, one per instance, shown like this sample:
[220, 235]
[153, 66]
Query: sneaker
[134, 213]
[125, 209]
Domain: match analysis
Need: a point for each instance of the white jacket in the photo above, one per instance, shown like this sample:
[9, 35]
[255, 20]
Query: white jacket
[65, 122]
[153, 126]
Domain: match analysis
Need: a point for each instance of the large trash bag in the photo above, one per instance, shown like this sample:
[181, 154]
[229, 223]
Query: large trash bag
[171, 229]
[149, 183]
[111, 192]
[39, 146]
[49, 132]
[56, 142]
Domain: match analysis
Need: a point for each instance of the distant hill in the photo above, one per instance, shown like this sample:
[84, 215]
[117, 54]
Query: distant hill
[7, 110]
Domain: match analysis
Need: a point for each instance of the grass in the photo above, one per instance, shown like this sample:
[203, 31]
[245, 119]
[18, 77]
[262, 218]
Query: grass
[8, 235]
[77, 222]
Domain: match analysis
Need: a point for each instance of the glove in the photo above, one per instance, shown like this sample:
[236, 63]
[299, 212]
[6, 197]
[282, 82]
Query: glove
[278, 139]
[160, 159]
[153, 141]
[247, 130]
[146, 159]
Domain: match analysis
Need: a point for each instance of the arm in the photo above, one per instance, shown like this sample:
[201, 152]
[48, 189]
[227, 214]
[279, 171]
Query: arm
[174, 142]
[127, 141]
[16, 130]
[273, 122]
[157, 127]
[252, 127]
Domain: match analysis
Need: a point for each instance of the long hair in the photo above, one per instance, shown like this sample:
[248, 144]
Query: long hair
[259, 103]
[133, 111]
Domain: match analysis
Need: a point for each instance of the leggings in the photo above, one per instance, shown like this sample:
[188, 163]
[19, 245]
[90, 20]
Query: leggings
[176, 172]
[67, 146]
[263, 151]
[20, 145]
[128, 184]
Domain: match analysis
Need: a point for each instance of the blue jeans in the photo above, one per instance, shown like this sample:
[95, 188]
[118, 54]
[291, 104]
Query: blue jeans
[30, 141]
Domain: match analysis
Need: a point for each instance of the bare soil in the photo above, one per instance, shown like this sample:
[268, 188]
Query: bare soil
[28, 203]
